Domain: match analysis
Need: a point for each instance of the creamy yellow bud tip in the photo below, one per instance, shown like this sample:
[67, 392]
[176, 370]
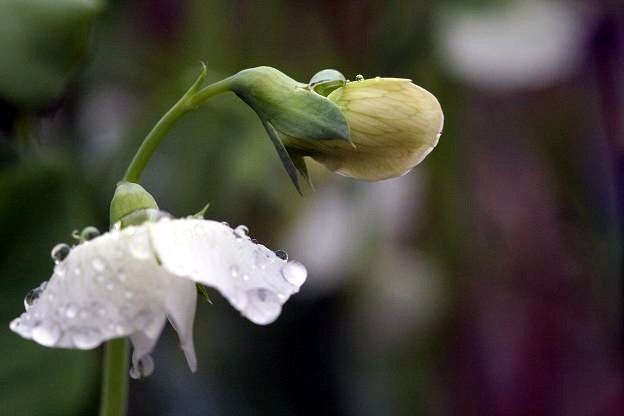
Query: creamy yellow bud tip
[393, 125]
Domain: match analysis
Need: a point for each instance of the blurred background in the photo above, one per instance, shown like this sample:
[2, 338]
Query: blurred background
[488, 281]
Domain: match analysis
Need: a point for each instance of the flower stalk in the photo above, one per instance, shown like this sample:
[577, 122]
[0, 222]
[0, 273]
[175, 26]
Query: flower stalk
[114, 399]
[189, 101]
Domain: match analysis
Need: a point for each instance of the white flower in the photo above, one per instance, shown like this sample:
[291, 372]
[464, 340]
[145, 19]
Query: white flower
[129, 282]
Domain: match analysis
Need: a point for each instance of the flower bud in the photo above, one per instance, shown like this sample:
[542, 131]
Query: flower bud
[393, 124]
[131, 205]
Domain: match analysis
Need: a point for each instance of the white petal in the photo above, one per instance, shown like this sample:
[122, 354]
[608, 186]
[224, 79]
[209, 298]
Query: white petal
[249, 275]
[180, 305]
[109, 287]
[143, 343]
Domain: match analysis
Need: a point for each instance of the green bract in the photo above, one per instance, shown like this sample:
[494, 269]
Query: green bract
[288, 107]
[131, 205]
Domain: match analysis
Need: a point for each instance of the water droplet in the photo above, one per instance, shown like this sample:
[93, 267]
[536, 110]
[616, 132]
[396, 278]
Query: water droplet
[86, 339]
[199, 229]
[46, 334]
[234, 270]
[89, 233]
[246, 277]
[128, 294]
[14, 324]
[144, 367]
[121, 329]
[71, 311]
[263, 306]
[77, 271]
[83, 315]
[359, 77]
[295, 273]
[140, 246]
[110, 286]
[241, 232]
[98, 264]
[282, 254]
[122, 276]
[59, 252]
[32, 296]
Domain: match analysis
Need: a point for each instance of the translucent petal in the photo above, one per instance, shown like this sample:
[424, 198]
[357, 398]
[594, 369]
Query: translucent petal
[180, 305]
[253, 279]
[143, 343]
[109, 287]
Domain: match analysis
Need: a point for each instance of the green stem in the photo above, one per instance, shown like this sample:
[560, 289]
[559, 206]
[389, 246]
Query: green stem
[115, 378]
[189, 101]
[115, 375]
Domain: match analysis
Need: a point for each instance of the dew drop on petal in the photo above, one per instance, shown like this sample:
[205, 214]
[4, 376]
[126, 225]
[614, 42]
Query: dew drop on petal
[145, 367]
[14, 324]
[140, 247]
[33, 295]
[86, 339]
[89, 233]
[295, 273]
[282, 254]
[46, 334]
[241, 232]
[263, 307]
[98, 264]
[60, 252]
[71, 311]
[246, 277]
[234, 270]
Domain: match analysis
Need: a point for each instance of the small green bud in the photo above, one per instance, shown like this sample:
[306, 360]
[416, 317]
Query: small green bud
[130, 203]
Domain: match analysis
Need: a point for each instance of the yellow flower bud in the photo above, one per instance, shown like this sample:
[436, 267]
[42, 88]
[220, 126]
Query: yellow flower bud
[393, 125]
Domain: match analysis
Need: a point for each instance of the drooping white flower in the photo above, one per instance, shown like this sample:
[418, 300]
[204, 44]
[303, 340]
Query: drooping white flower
[128, 282]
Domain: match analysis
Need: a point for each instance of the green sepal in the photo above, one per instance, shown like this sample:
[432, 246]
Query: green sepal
[202, 213]
[129, 198]
[203, 292]
[287, 162]
[300, 164]
[290, 106]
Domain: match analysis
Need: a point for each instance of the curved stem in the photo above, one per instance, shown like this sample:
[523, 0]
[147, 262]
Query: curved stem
[115, 378]
[115, 368]
[189, 101]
